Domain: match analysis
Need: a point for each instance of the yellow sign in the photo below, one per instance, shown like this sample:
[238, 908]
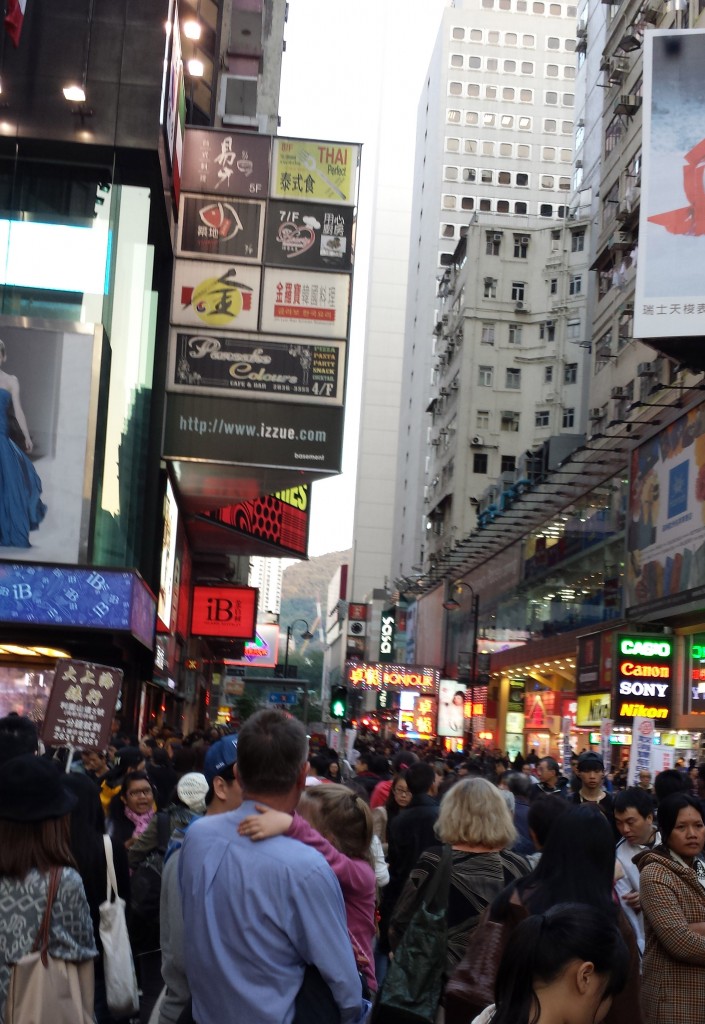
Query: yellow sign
[306, 169]
[593, 708]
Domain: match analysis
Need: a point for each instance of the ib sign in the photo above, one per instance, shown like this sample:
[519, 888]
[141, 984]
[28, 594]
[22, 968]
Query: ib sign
[644, 678]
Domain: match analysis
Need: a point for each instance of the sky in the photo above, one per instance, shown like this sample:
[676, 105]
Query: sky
[329, 90]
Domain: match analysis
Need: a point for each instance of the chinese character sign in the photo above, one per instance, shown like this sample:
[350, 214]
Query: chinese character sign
[306, 169]
[81, 705]
[643, 733]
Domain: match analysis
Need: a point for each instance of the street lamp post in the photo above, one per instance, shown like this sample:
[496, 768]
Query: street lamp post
[306, 635]
[451, 605]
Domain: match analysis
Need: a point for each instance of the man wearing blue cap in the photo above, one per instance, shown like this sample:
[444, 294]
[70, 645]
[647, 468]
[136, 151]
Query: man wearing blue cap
[264, 915]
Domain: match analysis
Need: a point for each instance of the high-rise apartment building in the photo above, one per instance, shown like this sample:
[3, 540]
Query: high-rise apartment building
[495, 149]
[266, 574]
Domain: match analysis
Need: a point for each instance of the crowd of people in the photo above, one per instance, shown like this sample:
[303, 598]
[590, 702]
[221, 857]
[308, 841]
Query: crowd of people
[269, 884]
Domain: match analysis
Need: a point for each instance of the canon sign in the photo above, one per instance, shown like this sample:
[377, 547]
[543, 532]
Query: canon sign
[386, 635]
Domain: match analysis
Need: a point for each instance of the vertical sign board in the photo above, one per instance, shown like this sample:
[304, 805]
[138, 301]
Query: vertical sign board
[669, 293]
[451, 708]
[644, 678]
[386, 635]
[81, 705]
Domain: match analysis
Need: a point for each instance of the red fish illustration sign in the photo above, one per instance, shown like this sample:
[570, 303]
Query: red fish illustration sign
[215, 228]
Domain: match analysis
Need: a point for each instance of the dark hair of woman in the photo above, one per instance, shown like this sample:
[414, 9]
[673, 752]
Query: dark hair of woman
[34, 844]
[391, 805]
[576, 865]
[670, 781]
[130, 780]
[669, 809]
[541, 948]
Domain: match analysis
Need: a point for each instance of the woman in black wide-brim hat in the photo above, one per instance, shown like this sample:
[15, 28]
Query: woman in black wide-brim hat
[34, 838]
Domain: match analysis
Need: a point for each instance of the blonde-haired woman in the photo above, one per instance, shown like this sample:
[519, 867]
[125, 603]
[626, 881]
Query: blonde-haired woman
[475, 822]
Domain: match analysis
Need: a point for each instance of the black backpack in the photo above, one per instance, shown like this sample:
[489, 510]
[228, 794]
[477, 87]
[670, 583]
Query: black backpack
[146, 881]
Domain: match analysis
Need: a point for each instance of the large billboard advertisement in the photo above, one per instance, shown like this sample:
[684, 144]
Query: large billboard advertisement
[669, 293]
[451, 705]
[48, 404]
[222, 430]
[666, 527]
[281, 519]
[276, 369]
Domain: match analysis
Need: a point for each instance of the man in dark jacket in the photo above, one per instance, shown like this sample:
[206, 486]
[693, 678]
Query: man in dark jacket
[551, 782]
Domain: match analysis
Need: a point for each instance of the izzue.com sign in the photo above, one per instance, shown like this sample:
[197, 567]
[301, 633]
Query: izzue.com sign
[303, 371]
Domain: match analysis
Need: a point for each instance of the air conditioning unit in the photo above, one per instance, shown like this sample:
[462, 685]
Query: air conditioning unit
[521, 307]
[617, 393]
[489, 280]
[525, 239]
[596, 413]
[497, 236]
[578, 164]
[651, 11]
[357, 628]
[581, 30]
[435, 441]
[444, 319]
[477, 441]
[622, 210]
[620, 240]
[454, 385]
[444, 392]
[627, 104]
[645, 370]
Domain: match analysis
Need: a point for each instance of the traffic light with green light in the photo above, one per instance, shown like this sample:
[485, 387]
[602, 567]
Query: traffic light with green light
[339, 702]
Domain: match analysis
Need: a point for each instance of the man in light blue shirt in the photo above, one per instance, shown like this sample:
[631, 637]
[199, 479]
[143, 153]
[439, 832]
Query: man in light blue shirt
[258, 915]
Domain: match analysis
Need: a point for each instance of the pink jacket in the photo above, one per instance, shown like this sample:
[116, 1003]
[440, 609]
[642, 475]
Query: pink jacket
[359, 887]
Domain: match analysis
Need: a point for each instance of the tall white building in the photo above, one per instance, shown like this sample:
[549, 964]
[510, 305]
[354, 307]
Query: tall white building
[266, 574]
[495, 147]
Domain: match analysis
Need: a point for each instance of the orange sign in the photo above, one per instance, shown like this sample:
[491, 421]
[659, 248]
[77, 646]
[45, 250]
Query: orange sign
[395, 677]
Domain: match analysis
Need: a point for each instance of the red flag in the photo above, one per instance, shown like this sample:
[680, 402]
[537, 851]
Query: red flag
[14, 19]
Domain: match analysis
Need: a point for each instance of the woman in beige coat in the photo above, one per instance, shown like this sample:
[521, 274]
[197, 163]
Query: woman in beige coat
[673, 902]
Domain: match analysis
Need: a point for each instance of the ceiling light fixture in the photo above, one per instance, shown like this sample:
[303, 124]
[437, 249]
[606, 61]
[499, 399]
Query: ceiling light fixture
[195, 68]
[192, 29]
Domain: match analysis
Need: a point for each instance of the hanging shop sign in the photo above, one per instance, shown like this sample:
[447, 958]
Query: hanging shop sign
[307, 169]
[271, 369]
[694, 692]
[593, 709]
[425, 712]
[386, 635]
[312, 236]
[226, 163]
[304, 303]
[396, 677]
[644, 678]
[211, 227]
[216, 295]
[225, 612]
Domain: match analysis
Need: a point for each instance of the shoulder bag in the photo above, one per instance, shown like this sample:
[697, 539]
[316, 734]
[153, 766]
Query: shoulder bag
[412, 989]
[121, 990]
[45, 988]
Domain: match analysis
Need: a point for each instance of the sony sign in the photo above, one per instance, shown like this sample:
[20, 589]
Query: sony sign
[386, 635]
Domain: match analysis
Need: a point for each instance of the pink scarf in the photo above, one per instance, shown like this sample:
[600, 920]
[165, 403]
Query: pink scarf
[140, 821]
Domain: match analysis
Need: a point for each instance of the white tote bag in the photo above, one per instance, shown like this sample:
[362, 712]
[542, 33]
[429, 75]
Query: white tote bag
[121, 990]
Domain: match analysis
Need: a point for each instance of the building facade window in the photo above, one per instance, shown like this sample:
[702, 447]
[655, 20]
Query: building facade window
[575, 285]
[508, 464]
[547, 374]
[518, 291]
[541, 418]
[570, 373]
[547, 330]
[515, 334]
[482, 419]
[521, 247]
[488, 334]
[479, 462]
[513, 378]
[490, 289]
[569, 417]
[484, 376]
[493, 242]
[509, 421]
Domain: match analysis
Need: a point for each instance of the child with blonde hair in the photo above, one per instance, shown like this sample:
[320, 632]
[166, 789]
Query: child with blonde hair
[338, 824]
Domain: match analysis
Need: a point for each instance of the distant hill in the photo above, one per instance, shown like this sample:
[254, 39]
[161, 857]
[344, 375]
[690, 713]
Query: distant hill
[305, 588]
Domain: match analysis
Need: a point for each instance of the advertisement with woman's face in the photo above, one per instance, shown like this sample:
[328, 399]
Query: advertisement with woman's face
[45, 422]
[451, 701]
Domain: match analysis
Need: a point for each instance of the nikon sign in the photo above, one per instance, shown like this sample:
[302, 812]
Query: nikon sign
[644, 678]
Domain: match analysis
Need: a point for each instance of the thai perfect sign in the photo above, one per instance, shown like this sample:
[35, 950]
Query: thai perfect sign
[271, 368]
[211, 227]
[309, 169]
[81, 704]
[303, 303]
[396, 677]
[644, 677]
[313, 236]
[226, 163]
[223, 296]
